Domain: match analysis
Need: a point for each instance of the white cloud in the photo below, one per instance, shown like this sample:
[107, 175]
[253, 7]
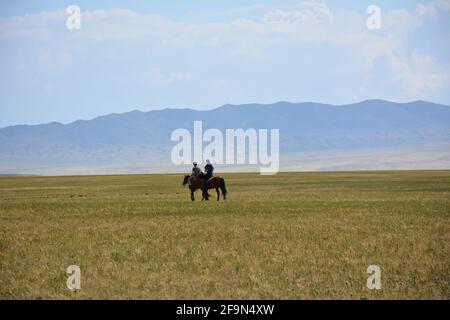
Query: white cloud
[308, 12]
[308, 23]
[431, 9]
[419, 73]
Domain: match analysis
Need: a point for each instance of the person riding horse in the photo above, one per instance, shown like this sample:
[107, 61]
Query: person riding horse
[196, 173]
[208, 174]
[204, 181]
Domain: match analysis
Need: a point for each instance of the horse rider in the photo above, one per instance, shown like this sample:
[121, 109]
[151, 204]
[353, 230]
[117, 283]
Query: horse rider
[208, 169]
[196, 172]
[208, 174]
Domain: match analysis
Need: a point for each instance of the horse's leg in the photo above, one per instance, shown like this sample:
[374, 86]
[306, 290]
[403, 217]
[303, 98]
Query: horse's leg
[203, 195]
[197, 186]
[205, 189]
[192, 195]
[218, 193]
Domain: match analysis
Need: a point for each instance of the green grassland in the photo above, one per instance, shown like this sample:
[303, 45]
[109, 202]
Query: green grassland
[288, 236]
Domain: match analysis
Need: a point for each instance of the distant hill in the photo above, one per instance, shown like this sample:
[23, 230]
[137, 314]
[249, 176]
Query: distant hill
[123, 140]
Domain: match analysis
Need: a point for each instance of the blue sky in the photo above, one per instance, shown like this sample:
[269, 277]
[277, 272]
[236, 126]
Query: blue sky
[180, 9]
[202, 54]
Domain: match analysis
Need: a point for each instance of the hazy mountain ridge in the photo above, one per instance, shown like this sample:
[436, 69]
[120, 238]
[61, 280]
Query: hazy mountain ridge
[140, 136]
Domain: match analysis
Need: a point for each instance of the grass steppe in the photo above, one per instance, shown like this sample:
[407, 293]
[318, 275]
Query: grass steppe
[287, 236]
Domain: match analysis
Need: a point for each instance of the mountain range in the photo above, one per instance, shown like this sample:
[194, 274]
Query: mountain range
[139, 141]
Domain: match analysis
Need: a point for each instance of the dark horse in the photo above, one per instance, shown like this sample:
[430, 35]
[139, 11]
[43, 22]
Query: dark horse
[213, 183]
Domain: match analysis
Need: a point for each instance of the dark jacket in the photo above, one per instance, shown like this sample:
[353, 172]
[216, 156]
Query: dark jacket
[209, 170]
[196, 171]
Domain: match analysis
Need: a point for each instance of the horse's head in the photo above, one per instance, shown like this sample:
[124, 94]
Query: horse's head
[186, 178]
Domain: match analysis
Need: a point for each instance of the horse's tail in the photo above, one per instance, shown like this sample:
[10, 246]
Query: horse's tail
[222, 187]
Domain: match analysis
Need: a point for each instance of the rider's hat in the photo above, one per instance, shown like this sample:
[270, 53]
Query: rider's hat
[195, 163]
